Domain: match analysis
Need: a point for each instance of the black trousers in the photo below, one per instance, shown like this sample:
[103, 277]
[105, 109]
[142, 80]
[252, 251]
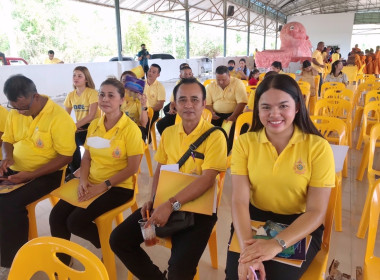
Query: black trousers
[14, 222]
[275, 270]
[80, 138]
[219, 122]
[66, 219]
[187, 248]
[156, 114]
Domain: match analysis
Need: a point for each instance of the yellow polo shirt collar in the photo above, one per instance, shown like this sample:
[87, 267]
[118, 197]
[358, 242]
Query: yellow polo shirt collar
[297, 136]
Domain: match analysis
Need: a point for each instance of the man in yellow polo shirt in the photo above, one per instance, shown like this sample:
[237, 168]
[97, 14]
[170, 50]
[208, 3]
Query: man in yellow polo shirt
[3, 118]
[188, 244]
[38, 142]
[317, 62]
[51, 59]
[226, 99]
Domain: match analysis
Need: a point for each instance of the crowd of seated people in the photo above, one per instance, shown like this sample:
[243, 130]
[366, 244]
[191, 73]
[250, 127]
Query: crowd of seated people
[39, 139]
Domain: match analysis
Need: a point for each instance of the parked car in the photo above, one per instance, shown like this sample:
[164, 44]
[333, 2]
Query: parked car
[161, 56]
[125, 58]
[11, 60]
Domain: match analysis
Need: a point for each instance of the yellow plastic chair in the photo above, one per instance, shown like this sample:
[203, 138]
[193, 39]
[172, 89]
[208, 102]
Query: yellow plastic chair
[363, 78]
[148, 158]
[250, 89]
[208, 81]
[317, 268]
[358, 99]
[345, 94]
[360, 71]
[351, 73]
[152, 130]
[261, 76]
[104, 225]
[372, 182]
[39, 254]
[212, 242]
[304, 84]
[331, 85]
[334, 131]
[31, 208]
[371, 268]
[206, 114]
[371, 116]
[244, 118]
[338, 108]
[327, 70]
[306, 95]
[291, 75]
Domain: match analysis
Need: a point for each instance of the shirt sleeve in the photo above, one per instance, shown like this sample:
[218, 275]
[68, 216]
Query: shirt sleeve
[215, 152]
[63, 135]
[68, 103]
[208, 94]
[3, 118]
[323, 167]
[8, 135]
[133, 140]
[93, 96]
[161, 156]
[239, 158]
[240, 92]
[161, 95]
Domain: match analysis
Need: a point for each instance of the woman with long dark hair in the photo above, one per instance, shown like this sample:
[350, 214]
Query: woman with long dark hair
[336, 74]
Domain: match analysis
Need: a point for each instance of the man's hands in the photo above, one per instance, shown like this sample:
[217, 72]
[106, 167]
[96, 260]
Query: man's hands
[160, 215]
[5, 164]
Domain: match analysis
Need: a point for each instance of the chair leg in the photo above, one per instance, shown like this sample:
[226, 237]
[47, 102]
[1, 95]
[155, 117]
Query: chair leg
[153, 136]
[345, 168]
[119, 218]
[134, 207]
[196, 277]
[360, 139]
[130, 275]
[213, 248]
[148, 161]
[363, 162]
[338, 206]
[364, 219]
[105, 229]
[357, 118]
[53, 200]
[33, 233]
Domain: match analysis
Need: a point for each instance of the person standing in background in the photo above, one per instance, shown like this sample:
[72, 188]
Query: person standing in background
[51, 59]
[143, 57]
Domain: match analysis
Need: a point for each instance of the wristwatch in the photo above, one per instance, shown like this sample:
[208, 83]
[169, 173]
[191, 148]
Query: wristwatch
[176, 205]
[145, 108]
[281, 242]
[108, 184]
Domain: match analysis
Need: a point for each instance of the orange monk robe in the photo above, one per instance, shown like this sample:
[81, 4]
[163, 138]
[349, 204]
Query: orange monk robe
[370, 69]
[358, 62]
[363, 58]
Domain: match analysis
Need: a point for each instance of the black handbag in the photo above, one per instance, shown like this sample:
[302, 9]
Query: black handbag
[180, 220]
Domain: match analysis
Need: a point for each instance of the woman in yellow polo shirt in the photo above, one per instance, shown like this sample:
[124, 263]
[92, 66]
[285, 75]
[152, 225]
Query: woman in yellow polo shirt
[3, 118]
[84, 100]
[134, 105]
[282, 171]
[113, 151]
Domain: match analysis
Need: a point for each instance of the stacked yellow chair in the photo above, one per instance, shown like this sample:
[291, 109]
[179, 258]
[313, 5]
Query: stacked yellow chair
[39, 254]
[335, 132]
[104, 225]
[332, 85]
[212, 242]
[371, 262]
[358, 99]
[371, 116]
[351, 73]
[372, 182]
[244, 118]
[345, 94]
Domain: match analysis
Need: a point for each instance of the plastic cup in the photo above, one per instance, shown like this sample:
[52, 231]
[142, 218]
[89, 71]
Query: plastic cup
[148, 233]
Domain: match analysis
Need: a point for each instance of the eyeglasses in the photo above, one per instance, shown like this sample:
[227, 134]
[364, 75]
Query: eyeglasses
[193, 100]
[21, 109]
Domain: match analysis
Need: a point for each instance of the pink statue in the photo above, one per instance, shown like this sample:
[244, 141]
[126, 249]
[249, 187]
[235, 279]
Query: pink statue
[295, 46]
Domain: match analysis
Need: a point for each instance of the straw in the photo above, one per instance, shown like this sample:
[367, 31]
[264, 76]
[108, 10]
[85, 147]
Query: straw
[254, 273]
[147, 214]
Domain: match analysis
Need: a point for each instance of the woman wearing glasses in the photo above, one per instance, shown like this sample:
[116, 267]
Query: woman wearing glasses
[113, 150]
[84, 100]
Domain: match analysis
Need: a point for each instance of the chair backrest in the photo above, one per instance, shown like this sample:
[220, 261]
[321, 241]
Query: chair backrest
[372, 95]
[208, 81]
[332, 129]
[206, 114]
[329, 217]
[371, 116]
[351, 73]
[333, 107]
[249, 89]
[291, 75]
[304, 84]
[317, 78]
[39, 254]
[373, 224]
[306, 94]
[244, 118]
[261, 76]
[345, 94]
[373, 138]
[331, 85]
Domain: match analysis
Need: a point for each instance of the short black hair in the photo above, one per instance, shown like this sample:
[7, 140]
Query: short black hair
[277, 64]
[189, 81]
[306, 64]
[220, 70]
[142, 45]
[50, 52]
[18, 86]
[231, 61]
[183, 65]
[186, 68]
[157, 66]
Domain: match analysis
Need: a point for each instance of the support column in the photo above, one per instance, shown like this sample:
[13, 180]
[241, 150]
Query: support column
[265, 27]
[187, 29]
[276, 29]
[118, 31]
[248, 26]
[225, 27]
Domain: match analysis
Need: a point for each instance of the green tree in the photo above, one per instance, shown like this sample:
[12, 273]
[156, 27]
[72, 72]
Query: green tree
[137, 33]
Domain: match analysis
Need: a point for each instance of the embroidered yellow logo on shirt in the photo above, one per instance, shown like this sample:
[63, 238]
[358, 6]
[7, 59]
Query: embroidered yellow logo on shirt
[116, 153]
[299, 167]
[39, 143]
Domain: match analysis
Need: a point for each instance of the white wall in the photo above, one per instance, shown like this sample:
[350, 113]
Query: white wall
[333, 29]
